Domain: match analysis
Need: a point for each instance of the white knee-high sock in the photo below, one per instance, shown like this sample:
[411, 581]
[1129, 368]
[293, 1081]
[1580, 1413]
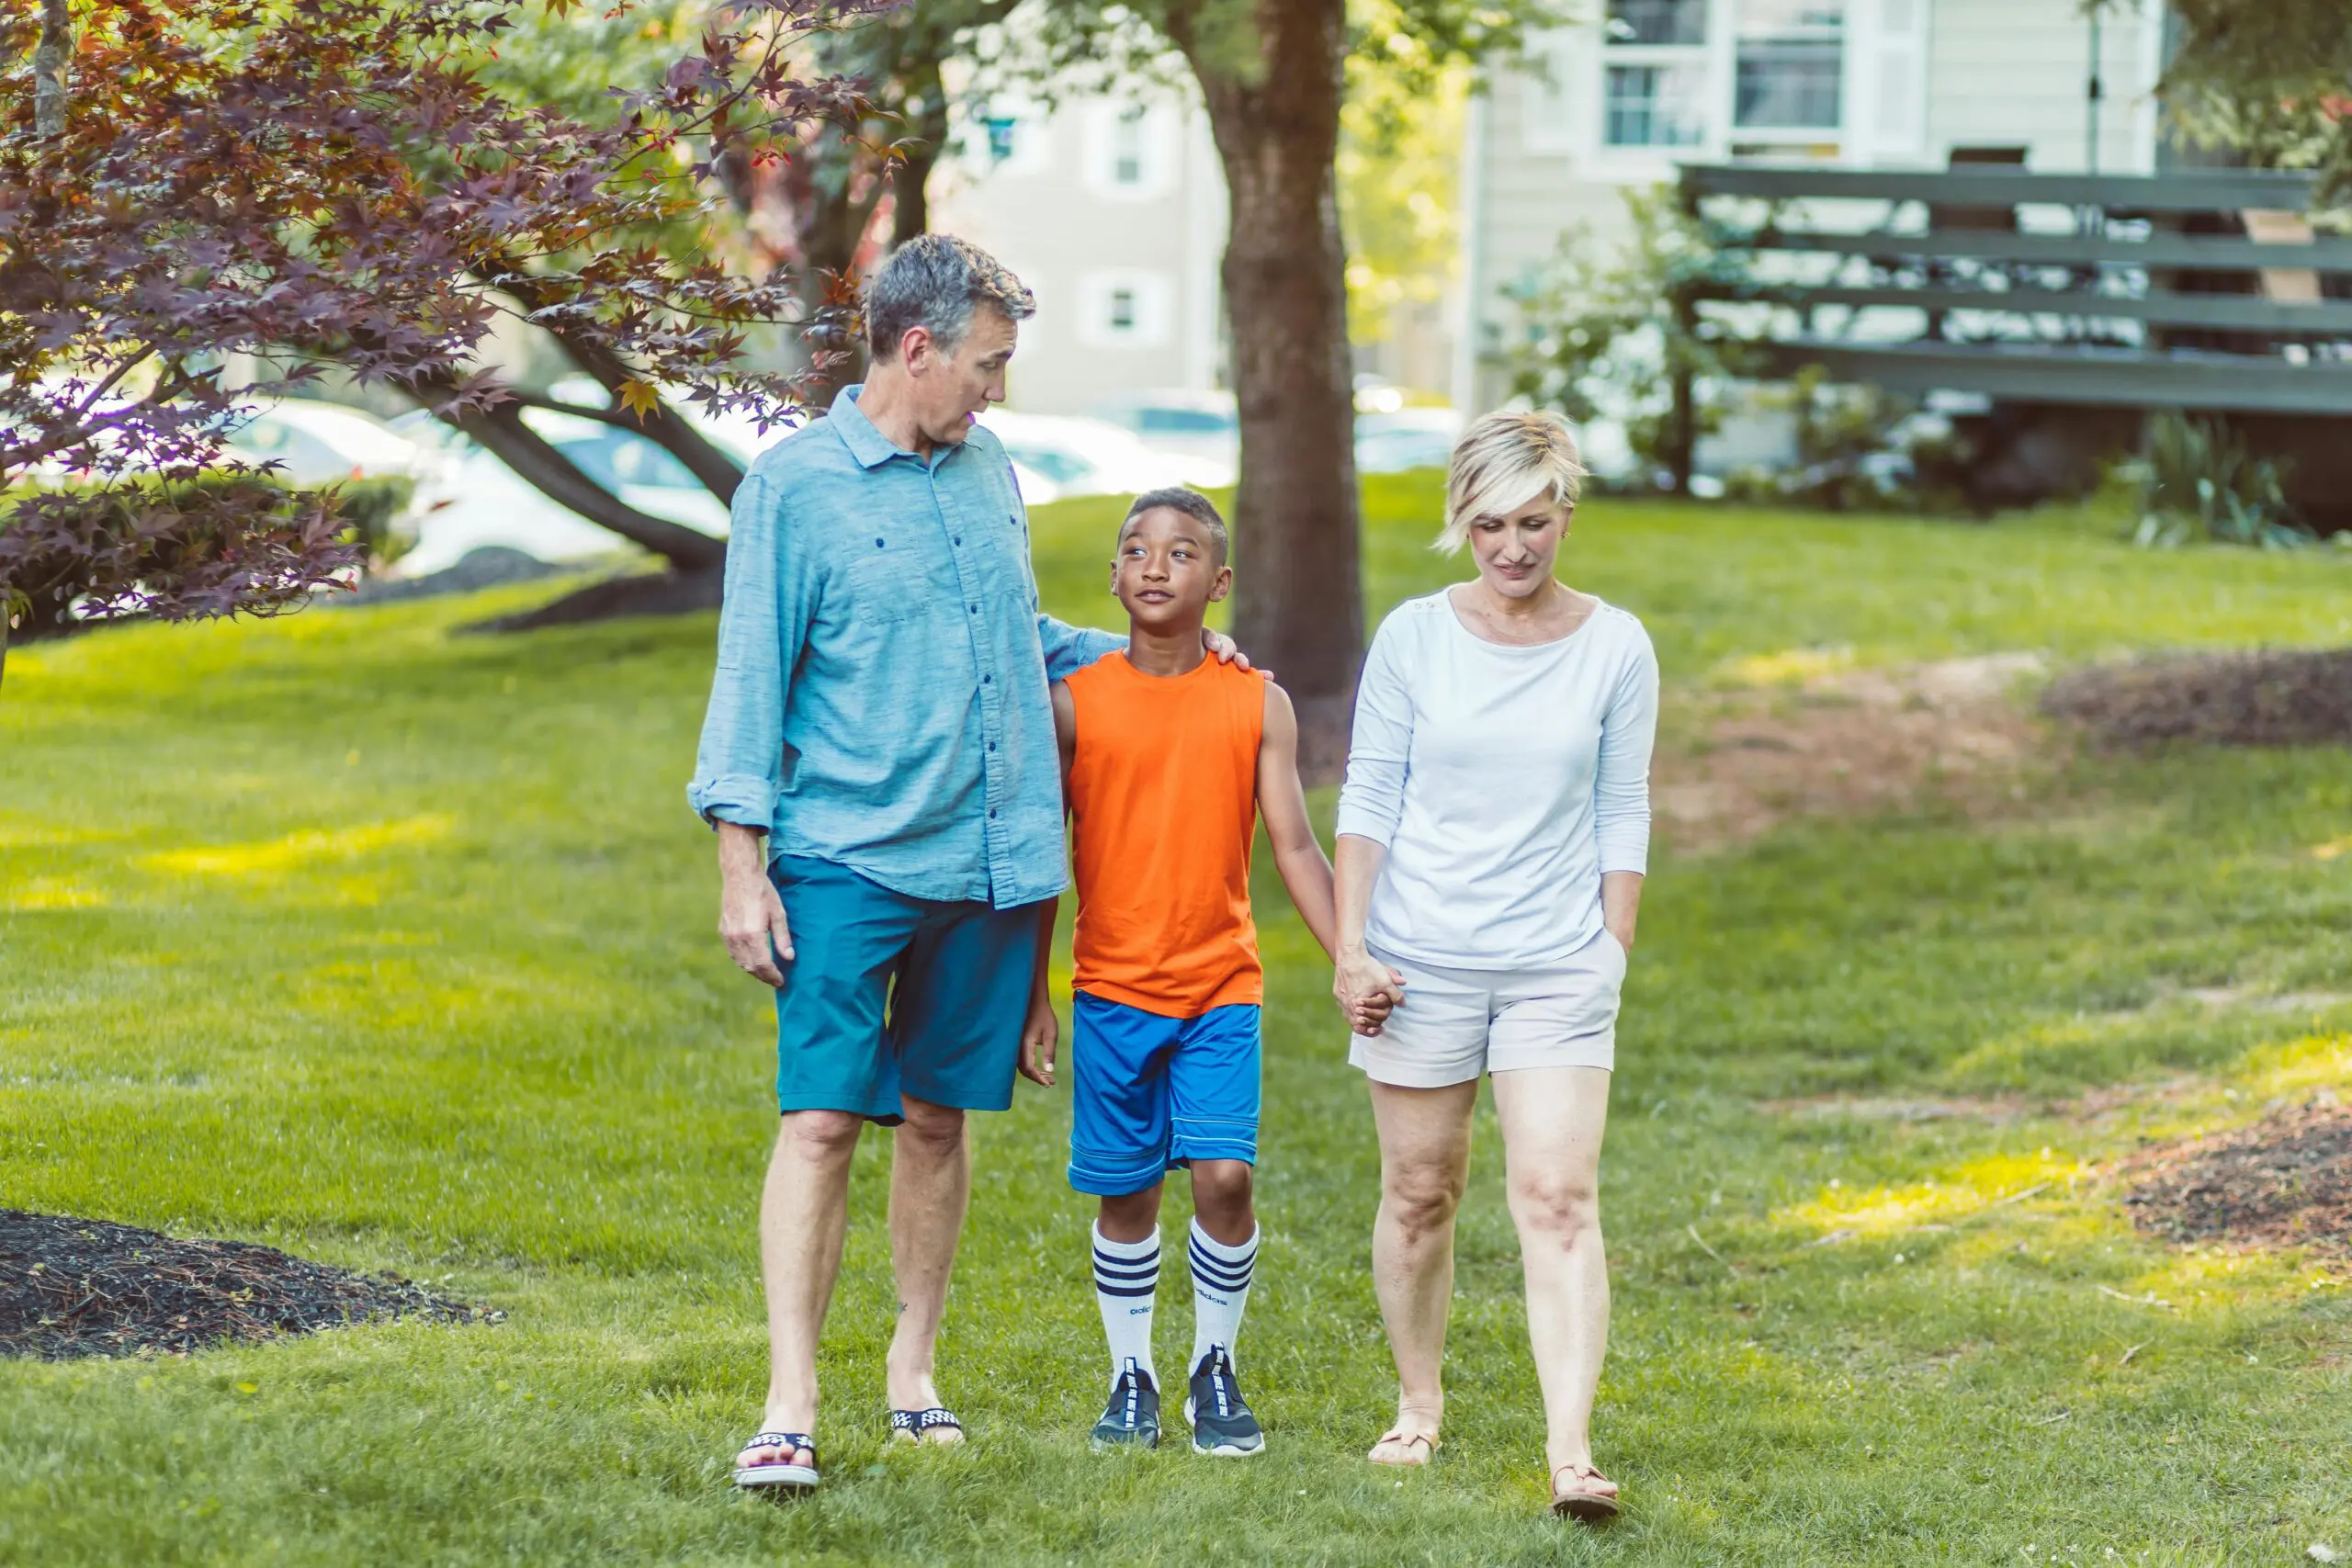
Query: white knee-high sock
[1221, 1277]
[1126, 1275]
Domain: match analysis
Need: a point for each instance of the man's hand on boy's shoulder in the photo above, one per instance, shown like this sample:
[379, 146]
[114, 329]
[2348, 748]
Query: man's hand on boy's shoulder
[1225, 650]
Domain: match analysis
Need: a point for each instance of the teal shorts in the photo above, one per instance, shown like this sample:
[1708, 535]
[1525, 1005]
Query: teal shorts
[889, 995]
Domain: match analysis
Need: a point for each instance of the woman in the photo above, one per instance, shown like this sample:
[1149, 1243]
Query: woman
[1493, 833]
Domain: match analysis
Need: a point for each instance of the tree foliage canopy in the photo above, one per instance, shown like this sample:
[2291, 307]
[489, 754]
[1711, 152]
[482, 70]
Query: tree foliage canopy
[336, 183]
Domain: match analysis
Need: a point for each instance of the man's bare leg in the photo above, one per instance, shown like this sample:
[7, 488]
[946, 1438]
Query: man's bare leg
[804, 1210]
[931, 1183]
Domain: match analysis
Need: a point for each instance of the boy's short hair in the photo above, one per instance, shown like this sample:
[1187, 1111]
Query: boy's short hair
[1193, 504]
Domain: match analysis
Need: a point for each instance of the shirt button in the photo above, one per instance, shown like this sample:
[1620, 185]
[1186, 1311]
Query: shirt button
[991, 816]
[974, 608]
[986, 679]
[991, 745]
[959, 539]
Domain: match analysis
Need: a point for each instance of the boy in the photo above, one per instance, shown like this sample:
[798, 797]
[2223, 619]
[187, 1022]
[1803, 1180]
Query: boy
[1168, 759]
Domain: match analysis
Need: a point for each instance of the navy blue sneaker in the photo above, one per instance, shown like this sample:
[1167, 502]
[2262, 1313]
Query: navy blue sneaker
[1222, 1424]
[1132, 1418]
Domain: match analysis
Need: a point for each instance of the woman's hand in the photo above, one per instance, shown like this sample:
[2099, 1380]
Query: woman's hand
[1366, 989]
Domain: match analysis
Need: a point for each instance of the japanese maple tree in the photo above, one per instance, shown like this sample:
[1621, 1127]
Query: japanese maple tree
[183, 181]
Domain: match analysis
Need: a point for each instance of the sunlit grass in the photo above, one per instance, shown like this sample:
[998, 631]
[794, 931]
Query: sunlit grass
[393, 945]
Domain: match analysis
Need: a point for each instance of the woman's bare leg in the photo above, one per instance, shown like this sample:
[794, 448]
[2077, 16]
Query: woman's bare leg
[1424, 1160]
[1552, 1121]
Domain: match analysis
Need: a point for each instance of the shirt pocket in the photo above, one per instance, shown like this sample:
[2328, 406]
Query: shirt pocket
[885, 588]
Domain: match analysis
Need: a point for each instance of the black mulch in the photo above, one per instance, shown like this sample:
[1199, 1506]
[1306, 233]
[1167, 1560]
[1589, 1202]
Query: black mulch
[74, 1288]
[2285, 1182]
[2223, 699]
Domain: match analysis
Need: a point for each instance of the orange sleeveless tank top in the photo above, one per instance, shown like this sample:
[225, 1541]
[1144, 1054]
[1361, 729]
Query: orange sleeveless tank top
[1164, 803]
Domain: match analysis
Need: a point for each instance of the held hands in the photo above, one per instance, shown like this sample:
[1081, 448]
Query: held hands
[1366, 989]
[1039, 1037]
[751, 921]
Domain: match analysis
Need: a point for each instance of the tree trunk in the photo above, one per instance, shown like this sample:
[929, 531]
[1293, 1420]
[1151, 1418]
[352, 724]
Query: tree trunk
[1298, 607]
[53, 57]
[911, 181]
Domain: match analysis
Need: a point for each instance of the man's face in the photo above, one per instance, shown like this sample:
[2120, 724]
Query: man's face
[951, 388]
[1166, 573]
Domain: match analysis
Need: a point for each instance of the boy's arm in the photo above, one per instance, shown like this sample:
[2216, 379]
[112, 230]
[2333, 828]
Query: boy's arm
[1042, 1034]
[1282, 801]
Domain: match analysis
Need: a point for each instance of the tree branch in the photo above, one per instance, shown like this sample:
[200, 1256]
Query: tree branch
[539, 464]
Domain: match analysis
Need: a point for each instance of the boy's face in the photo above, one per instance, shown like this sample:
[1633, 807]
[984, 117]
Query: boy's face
[1167, 572]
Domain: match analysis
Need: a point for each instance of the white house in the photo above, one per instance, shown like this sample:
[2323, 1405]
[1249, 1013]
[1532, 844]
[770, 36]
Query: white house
[1113, 210]
[1624, 99]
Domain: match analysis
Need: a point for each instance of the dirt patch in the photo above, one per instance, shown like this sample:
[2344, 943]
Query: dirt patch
[72, 1288]
[1851, 742]
[2223, 699]
[2285, 1182]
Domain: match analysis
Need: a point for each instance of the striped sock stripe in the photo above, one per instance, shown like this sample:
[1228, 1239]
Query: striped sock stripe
[1226, 1276]
[1104, 1266]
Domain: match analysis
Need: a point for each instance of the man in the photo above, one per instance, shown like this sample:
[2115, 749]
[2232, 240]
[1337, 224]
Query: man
[879, 716]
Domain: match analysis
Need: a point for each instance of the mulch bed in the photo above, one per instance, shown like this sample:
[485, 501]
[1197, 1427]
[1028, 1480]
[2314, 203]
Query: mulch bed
[72, 1288]
[2285, 1182]
[2227, 699]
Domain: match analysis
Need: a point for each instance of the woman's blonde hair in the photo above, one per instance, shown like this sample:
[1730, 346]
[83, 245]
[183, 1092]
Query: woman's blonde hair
[1502, 462]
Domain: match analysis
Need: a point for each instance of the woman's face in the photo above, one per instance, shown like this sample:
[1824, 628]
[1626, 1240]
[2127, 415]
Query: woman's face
[1515, 551]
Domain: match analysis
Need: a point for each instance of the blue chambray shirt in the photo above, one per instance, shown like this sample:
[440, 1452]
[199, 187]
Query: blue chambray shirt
[880, 700]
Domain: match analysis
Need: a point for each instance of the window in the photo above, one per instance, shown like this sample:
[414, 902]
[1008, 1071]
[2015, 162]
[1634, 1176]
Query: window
[1654, 79]
[1128, 150]
[1126, 308]
[1789, 66]
[1657, 21]
[1654, 106]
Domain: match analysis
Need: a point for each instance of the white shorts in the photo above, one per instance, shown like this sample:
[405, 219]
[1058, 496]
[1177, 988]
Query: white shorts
[1458, 1023]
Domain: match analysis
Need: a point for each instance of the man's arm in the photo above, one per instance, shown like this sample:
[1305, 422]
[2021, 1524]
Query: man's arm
[1282, 801]
[763, 621]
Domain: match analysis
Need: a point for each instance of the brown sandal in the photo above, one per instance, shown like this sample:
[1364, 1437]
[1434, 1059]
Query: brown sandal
[1398, 1435]
[1582, 1502]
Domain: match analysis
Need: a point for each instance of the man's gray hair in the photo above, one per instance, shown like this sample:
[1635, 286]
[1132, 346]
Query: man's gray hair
[937, 281]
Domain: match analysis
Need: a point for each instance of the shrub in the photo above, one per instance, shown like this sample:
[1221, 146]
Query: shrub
[2197, 481]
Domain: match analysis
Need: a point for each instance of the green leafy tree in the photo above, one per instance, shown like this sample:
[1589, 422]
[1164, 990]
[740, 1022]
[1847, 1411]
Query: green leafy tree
[1614, 330]
[2270, 80]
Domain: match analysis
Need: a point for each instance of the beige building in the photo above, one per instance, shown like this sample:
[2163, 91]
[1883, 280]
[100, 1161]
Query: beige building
[1113, 210]
[1623, 100]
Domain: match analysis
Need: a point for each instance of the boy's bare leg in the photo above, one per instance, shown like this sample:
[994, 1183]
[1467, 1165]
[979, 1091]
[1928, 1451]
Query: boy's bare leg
[931, 1183]
[804, 1210]
[1222, 1199]
[1132, 1217]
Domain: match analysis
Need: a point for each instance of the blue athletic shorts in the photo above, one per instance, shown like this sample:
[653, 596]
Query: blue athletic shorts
[1150, 1093]
[889, 994]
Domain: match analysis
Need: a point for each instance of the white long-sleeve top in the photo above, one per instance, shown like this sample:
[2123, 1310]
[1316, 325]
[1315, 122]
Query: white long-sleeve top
[1504, 781]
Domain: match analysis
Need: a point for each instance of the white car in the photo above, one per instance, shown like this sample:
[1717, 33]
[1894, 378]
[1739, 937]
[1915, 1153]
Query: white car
[1202, 425]
[1093, 457]
[316, 443]
[475, 499]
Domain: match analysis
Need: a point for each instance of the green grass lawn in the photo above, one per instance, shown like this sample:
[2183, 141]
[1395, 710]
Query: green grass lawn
[395, 947]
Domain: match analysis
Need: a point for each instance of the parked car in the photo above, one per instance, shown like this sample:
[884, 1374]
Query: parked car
[1201, 425]
[316, 443]
[1092, 457]
[473, 499]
